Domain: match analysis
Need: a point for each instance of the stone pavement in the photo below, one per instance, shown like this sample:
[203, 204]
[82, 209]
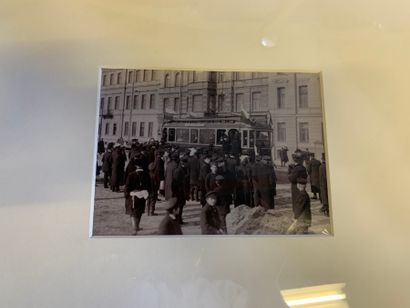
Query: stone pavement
[110, 218]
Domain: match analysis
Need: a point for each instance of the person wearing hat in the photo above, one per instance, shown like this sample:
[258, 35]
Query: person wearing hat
[118, 166]
[194, 173]
[210, 220]
[301, 210]
[224, 200]
[136, 193]
[296, 171]
[323, 186]
[107, 165]
[169, 224]
[210, 178]
[169, 170]
[313, 171]
[263, 180]
[203, 173]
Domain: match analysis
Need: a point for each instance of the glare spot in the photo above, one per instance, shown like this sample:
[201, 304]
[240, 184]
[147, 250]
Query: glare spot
[265, 42]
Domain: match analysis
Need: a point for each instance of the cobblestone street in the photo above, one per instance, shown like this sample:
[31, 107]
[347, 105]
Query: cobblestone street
[110, 218]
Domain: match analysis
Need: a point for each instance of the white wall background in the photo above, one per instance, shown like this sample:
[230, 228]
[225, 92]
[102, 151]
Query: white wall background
[50, 52]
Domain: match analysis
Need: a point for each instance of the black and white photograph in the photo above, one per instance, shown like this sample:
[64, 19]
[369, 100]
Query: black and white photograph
[187, 152]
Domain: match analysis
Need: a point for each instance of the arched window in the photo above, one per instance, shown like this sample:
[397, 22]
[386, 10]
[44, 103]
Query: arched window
[167, 80]
[178, 79]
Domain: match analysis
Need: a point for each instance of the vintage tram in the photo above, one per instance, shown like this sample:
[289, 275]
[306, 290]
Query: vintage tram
[206, 131]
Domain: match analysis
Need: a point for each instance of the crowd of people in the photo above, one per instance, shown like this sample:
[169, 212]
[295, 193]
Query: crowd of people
[216, 178]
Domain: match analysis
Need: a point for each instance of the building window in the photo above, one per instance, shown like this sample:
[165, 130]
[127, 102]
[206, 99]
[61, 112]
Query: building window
[221, 100]
[176, 104]
[134, 129]
[152, 74]
[281, 132]
[171, 134]
[118, 78]
[238, 102]
[245, 138]
[104, 80]
[109, 104]
[166, 103]
[130, 77]
[194, 76]
[135, 103]
[152, 101]
[114, 129]
[117, 101]
[102, 104]
[167, 81]
[178, 79]
[143, 100]
[142, 128]
[281, 97]
[256, 101]
[188, 105]
[220, 77]
[111, 78]
[145, 75]
[197, 103]
[303, 96]
[137, 75]
[107, 128]
[125, 128]
[150, 128]
[127, 103]
[304, 132]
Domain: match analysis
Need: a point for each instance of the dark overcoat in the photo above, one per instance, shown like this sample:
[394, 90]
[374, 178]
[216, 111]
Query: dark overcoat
[323, 184]
[135, 181]
[118, 166]
[107, 161]
[298, 171]
[171, 166]
[194, 170]
[301, 207]
[169, 226]
[313, 171]
[210, 221]
[264, 184]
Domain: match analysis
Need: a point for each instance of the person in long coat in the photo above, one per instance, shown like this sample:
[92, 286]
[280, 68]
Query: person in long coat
[210, 178]
[178, 188]
[210, 221]
[194, 173]
[301, 210]
[204, 171]
[313, 171]
[323, 187]
[137, 181]
[169, 171]
[107, 166]
[243, 185]
[224, 200]
[169, 224]
[296, 171]
[118, 165]
[263, 182]
[154, 175]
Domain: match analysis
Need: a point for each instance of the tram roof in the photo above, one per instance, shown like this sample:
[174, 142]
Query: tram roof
[215, 122]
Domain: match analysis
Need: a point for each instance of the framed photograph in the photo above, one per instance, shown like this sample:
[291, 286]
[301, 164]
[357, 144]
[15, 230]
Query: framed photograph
[185, 152]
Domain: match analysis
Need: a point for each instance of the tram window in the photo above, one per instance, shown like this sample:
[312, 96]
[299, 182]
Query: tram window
[171, 134]
[262, 139]
[251, 139]
[245, 138]
[182, 135]
[164, 134]
[194, 136]
[219, 134]
[207, 136]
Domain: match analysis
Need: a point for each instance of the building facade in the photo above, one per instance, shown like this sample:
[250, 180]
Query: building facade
[135, 103]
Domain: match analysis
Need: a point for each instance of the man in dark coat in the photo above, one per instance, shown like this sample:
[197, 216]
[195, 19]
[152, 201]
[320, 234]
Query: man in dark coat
[210, 221]
[313, 171]
[296, 171]
[210, 178]
[243, 185]
[136, 192]
[323, 187]
[154, 175]
[194, 174]
[284, 156]
[169, 225]
[204, 171]
[107, 166]
[301, 210]
[100, 146]
[169, 171]
[263, 182]
[178, 188]
[236, 145]
[224, 200]
[118, 165]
